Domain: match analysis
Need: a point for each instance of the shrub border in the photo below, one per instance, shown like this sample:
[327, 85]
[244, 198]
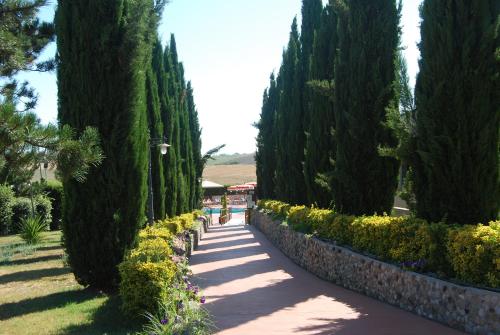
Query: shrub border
[473, 310]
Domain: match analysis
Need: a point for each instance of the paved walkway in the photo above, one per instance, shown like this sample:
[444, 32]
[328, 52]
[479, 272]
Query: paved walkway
[252, 288]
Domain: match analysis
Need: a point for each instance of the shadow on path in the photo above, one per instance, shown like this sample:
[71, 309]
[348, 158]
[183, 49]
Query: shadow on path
[272, 295]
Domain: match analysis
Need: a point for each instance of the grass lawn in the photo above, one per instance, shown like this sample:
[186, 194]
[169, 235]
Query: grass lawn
[39, 295]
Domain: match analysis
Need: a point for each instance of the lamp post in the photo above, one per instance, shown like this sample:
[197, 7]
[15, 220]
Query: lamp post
[154, 143]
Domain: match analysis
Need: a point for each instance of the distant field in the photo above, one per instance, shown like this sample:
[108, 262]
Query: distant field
[230, 174]
[233, 159]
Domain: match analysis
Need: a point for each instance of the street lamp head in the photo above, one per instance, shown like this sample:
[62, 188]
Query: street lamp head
[164, 148]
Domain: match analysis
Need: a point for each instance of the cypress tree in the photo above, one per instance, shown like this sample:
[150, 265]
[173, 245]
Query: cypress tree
[290, 183]
[195, 134]
[156, 132]
[265, 156]
[457, 96]
[311, 20]
[365, 73]
[185, 144]
[320, 147]
[176, 178]
[103, 48]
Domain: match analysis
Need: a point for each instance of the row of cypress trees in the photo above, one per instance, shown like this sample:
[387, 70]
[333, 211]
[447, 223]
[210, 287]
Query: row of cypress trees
[114, 75]
[339, 117]
[173, 116]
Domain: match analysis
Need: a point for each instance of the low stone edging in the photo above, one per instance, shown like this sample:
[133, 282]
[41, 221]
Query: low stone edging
[473, 310]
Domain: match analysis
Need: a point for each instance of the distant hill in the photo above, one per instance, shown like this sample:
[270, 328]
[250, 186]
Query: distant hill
[230, 174]
[234, 159]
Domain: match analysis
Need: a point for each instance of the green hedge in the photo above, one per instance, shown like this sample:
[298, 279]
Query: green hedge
[148, 271]
[469, 253]
[54, 190]
[21, 209]
[6, 202]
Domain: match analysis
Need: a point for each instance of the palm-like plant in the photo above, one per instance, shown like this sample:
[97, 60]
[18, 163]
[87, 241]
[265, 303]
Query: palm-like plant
[31, 229]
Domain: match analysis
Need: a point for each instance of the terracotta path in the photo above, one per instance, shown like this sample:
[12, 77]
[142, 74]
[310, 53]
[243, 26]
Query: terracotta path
[252, 288]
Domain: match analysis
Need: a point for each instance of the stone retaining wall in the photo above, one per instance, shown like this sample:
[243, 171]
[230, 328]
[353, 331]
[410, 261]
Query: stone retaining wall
[469, 309]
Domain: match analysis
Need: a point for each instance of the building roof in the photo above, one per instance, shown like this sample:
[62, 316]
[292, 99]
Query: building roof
[210, 184]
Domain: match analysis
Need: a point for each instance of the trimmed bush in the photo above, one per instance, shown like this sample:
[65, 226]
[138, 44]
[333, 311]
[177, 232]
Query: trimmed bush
[155, 232]
[335, 227]
[54, 190]
[179, 224]
[469, 253]
[144, 285]
[43, 208]
[21, 210]
[6, 202]
[148, 271]
[474, 253]
[298, 219]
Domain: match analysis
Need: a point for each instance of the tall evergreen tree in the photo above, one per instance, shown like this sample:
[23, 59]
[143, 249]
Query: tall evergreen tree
[155, 126]
[195, 134]
[103, 49]
[186, 145]
[177, 97]
[365, 73]
[456, 165]
[290, 183]
[320, 147]
[311, 20]
[265, 156]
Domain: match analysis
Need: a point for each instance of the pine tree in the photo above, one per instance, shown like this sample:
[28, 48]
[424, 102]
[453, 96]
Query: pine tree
[456, 164]
[365, 74]
[290, 184]
[265, 156]
[103, 49]
[320, 147]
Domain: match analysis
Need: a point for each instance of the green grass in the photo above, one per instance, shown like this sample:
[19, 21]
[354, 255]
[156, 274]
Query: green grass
[39, 295]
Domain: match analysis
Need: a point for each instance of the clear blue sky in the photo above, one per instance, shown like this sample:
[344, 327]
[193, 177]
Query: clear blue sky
[229, 48]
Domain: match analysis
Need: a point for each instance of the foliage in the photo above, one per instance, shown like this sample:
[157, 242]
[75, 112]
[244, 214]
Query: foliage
[43, 209]
[23, 37]
[364, 182]
[469, 253]
[6, 202]
[31, 229]
[266, 142]
[152, 275]
[183, 164]
[180, 314]
[54, 190]
[474, 253]
[21, 209]
[102, 83]
[297, 219]
[456, 158]
[320, 146]
[290, 138]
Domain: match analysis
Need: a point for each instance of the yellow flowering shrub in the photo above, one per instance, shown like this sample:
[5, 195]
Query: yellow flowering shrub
[277, 208]
[336, 227]
[151, 250]
[155, 232]
[470, 253]
[474, 253]
[298, 218]
[373, 234]
[144, 284]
